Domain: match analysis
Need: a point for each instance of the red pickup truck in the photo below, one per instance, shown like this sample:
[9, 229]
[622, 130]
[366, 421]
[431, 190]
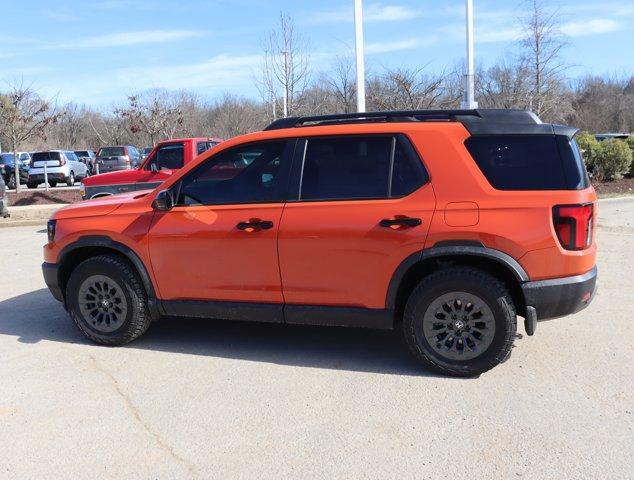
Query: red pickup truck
[166, 157]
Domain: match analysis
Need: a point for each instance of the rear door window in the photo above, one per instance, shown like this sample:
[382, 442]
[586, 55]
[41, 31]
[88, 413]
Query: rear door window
[44, 156]
[525, 162]
[359, 167]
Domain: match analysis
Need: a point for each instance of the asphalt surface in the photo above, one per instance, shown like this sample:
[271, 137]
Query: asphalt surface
[209, 399]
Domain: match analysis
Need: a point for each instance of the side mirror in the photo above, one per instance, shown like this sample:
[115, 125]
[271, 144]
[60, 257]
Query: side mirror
[164, 201]
[153, 167]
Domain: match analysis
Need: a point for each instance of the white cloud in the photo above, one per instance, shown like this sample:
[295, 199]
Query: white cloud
[399, 45]
[222, 72]
[372, 13]
[131, 38]
[590, 27]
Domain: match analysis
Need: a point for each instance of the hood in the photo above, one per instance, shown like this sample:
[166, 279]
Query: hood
[98, 206]
[122, 176]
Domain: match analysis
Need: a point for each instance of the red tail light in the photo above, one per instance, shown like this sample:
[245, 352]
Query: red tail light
[62, 161]
[573, 224]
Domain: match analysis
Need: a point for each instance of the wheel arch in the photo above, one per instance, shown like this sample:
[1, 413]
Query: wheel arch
[91, 246]
[474, 254]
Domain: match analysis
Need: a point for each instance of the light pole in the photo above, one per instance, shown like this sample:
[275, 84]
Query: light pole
[358, 28]
[285, 62]
[469, 94]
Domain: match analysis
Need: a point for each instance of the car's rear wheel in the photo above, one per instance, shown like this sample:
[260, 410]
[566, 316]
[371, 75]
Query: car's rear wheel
[460, 321]
[52, 183]
[107, 301]
[71, 179]
[32, 184]
[11, 182]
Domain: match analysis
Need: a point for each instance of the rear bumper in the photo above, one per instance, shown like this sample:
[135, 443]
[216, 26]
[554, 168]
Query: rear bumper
[560, 296]
[39, 177]
[51, 278]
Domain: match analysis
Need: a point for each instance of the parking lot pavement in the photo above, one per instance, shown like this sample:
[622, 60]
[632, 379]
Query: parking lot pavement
[209, 399]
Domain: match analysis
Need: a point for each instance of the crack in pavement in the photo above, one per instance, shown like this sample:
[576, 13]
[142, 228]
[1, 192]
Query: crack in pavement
[137, 416]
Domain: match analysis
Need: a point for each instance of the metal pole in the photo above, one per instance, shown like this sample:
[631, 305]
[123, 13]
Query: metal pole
[358, 28]
[285, 58]
[469, 97]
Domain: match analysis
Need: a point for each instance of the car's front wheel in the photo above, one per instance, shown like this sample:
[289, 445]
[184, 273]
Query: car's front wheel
[11, 182]
[460, 321]
[107, 301]
[32, 184]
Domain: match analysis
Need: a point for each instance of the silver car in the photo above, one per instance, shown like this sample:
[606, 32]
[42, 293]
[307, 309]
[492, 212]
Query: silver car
[112, 159]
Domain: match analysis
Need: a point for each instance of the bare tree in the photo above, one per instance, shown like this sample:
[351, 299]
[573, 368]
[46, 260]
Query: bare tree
[341, 81]
[504, 85]
[155, 115]
[285, 69]
[231, 116]
[542, 44]
[404, 88]
[24, 115]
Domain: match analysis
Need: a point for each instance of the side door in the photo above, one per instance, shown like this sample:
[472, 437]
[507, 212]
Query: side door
[359, 206]
[219, 242]
[75, 165]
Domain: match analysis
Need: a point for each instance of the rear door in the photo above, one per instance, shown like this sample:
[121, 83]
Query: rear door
[362, 204]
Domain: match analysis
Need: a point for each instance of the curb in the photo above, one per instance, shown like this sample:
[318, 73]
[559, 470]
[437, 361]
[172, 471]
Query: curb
[22, 223]
[615, 199]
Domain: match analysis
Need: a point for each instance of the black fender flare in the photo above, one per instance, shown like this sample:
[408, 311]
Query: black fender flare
[105, 241]
[448, 249]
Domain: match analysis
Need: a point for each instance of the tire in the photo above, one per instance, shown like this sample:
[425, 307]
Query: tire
[52, 183]
[11, 183]
[468, 304]
[117, 277]
[31, 184]
[71, 179]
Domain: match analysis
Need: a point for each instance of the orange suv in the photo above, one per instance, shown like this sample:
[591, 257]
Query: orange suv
[446, 225]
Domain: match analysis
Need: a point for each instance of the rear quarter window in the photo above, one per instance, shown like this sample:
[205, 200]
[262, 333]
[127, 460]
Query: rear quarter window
[528, 162]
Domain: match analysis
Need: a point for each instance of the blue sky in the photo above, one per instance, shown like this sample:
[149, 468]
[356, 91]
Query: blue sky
[97, 51]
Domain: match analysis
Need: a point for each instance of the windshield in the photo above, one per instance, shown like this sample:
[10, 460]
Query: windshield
[147, 150]
[112, 152]
[82, 153]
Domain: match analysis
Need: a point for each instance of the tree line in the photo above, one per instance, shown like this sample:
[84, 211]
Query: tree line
[532, 75]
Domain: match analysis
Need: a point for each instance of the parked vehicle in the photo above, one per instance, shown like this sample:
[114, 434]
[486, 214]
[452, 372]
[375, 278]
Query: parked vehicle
[25, 158]
[446, 225]
[7, 161]
[114, 159]
[61, 165]
[87, 157]
[145, 152]
[163, 160]
[4, 213]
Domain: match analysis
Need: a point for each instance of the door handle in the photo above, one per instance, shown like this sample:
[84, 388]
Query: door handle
[400, 222]
[255, 224]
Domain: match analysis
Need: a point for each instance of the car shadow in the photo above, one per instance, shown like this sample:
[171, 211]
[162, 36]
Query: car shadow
[36, 316]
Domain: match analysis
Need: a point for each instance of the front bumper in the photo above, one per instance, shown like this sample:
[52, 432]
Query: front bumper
[560, 296]
[51, 278]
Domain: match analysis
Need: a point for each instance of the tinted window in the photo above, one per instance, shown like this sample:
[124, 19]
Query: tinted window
[574, 168]
[82, 153]
[247, 174]
[408, 173]
[43, 156]
[519, 162]
[71, 156]
[346, 168]
[112, 152]
[170, 156]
